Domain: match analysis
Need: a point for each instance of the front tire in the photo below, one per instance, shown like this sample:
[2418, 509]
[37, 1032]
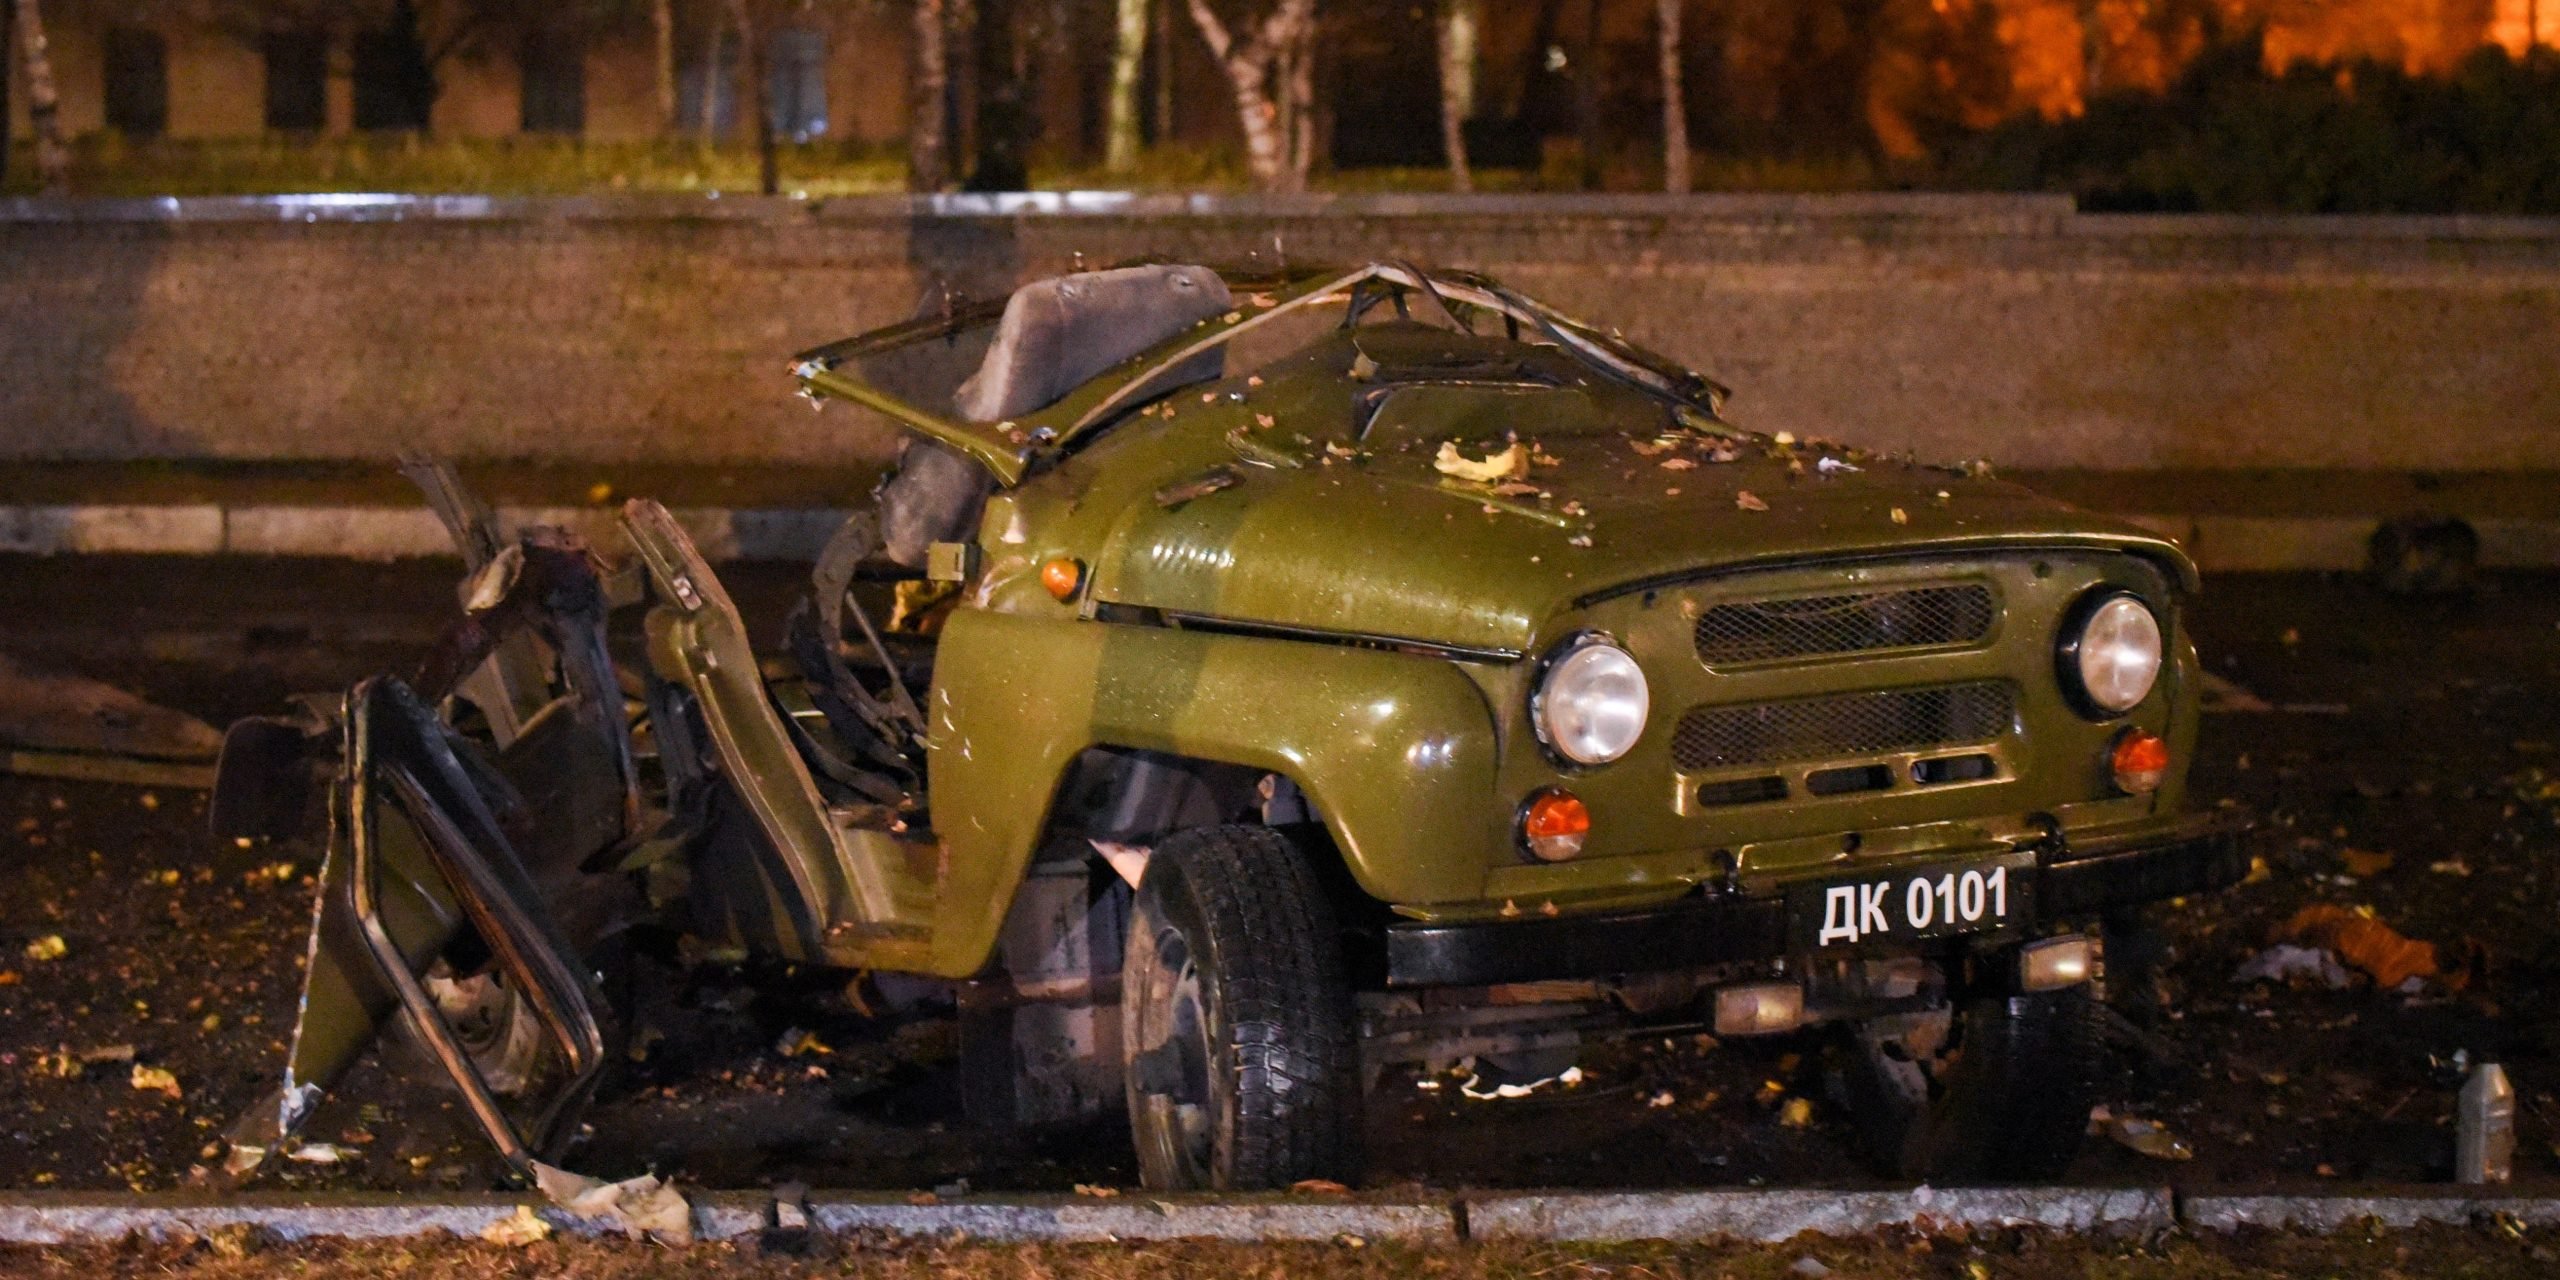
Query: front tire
[1990, 1089]
[1241, 1062]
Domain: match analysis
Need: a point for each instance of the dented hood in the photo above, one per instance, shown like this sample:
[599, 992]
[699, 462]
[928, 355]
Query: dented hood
[1385, 545]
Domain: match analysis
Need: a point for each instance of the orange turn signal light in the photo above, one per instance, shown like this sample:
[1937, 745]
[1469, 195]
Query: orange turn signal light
[2140, 761]
[1554, 824]
[1062, 577]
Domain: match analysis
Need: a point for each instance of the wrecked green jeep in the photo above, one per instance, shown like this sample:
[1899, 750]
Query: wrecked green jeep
[1247, 686]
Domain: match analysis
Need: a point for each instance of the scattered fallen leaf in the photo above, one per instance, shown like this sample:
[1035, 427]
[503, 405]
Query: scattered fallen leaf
[1749, 501]
[48, 947]
[1319, 1187]
[1797, 1113]
[599, 493]
[2365, 863]
[2146, 1137]
[155, 1080]
[1783, 438]
[1510, 464]
[798, 1042]
[1265, 420]
[1901, 516]
[521, 1228]
[1097, 1192]
[1677, 464]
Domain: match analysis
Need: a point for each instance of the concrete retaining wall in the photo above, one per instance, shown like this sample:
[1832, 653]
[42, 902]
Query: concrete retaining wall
[655, 330]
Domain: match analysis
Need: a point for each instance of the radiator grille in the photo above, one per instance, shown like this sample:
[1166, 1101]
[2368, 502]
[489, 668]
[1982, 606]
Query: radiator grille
[1766, 630]
[1845, 725]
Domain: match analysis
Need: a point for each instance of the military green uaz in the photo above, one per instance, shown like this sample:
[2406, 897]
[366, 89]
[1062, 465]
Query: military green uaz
[1249, 686]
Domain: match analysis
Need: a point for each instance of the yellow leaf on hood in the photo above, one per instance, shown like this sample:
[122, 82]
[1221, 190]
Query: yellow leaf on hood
[1510, 464]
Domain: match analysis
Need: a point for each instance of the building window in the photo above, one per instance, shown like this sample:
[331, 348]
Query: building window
[395, 88]
[796, 82]
[795, 86]
[707, 91]
[554, 67]
[297, 80]
[137, 82]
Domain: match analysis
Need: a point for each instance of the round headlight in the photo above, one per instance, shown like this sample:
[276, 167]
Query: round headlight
[2114, 658]
[1592, 705]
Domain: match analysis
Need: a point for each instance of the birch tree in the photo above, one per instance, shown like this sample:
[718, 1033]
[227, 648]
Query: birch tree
[929, 107]
[1128, 65]
[1461, 33]
[1675, 102]
[1270, 66]
[44, 106]
[662, 25]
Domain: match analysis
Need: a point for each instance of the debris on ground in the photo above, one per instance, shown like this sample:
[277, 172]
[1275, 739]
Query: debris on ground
[800, 1042]
[67, 726]
[49, 947]
[2368, 945]
[2287, 963]
[2143, 1137]
[638, 1207]
[322, 1153]
[1749, 501]
[522, 1228]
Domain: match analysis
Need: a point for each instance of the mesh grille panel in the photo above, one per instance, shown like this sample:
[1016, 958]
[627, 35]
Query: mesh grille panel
[1760, 631]
[1854, 724]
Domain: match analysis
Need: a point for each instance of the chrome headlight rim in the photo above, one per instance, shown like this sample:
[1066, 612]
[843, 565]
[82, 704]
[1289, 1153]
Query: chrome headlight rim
[1581, 645]
[2075, 632]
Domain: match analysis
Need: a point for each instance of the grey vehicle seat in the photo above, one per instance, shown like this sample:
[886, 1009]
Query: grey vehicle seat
[1056, 335]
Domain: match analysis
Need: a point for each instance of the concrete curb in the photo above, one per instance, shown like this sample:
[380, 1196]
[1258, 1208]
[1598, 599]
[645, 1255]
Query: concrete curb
[2329, 1213]
[380, 533]
[59, 1218]
[1783, 1214]
[1065, 1219]
[2220, 544]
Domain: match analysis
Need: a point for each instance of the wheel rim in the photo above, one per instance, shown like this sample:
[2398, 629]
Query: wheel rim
[1178, 1097]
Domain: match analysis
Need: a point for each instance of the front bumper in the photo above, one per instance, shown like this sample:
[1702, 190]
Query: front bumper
[2202, 853]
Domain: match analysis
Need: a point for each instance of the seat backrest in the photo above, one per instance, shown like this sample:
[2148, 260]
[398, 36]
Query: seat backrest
[1062, 332]
[1056, 335]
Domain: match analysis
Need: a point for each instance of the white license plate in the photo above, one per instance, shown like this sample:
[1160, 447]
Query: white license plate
[1980, 895]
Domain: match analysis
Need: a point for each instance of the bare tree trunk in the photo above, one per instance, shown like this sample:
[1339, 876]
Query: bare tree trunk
[1272, 74]
[1586, 98]
[1301, 61]
[662, 24]
[44, 108]
[1461, 32]
[752, 52]
[1128, 64]
[1675, 104]
[707, 128]
[1164, 72]
[8, 79]
[2093, 50]
[929, 106]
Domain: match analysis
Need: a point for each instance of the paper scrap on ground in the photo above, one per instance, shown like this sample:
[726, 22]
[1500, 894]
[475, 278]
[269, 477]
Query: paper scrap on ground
[638, 1207]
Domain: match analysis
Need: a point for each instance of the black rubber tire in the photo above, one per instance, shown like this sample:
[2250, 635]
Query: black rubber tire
[1231, 923]
[2006, 1099]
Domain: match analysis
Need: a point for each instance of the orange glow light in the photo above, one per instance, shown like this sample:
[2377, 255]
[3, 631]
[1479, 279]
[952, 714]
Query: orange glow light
[1062, 577]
